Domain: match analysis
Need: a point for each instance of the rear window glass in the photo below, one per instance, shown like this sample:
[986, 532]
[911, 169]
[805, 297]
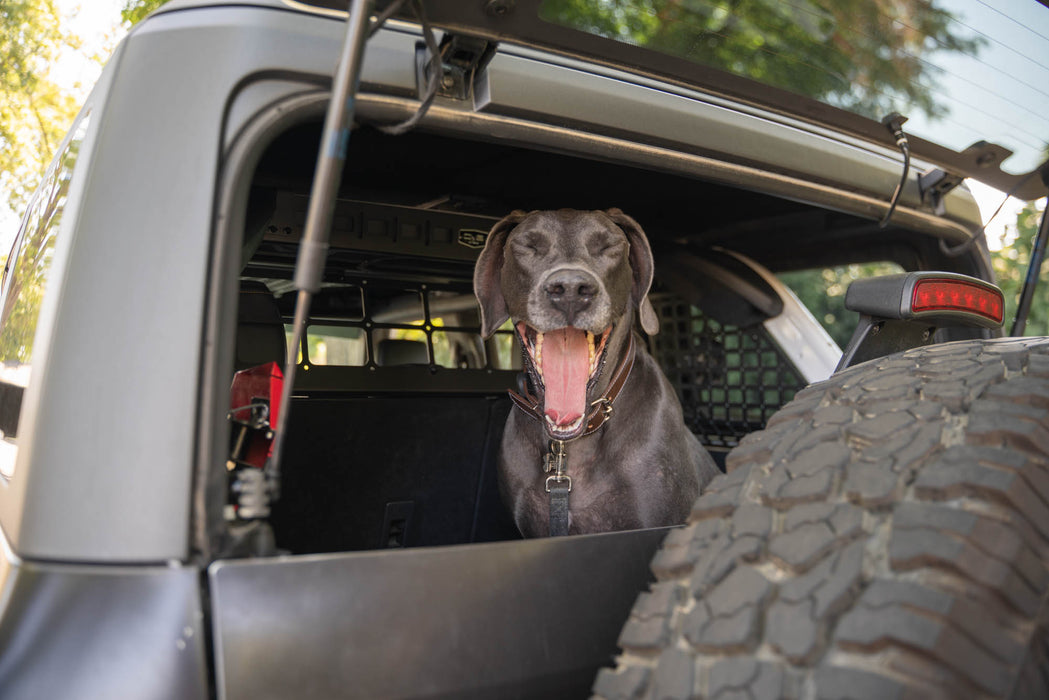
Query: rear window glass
[960, 70]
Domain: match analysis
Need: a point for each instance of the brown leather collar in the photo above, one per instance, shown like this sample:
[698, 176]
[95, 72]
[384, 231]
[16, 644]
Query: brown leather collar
[601, 409]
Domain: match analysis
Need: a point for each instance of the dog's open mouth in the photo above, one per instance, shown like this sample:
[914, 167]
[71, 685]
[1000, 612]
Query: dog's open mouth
[565, 364]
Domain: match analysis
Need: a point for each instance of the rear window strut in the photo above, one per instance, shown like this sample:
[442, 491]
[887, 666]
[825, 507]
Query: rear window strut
[1023, 307]
[338, 122]
[309, 267]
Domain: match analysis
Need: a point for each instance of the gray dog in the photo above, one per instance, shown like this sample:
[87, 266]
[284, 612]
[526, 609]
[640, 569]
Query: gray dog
[603, 422]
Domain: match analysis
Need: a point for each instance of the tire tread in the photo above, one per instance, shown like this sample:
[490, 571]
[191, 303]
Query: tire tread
[886, 535]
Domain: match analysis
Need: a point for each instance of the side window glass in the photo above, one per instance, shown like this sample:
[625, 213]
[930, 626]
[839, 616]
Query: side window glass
[25, 278]
[822, 291]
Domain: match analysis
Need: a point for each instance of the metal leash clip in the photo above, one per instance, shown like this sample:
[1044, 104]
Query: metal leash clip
[556, 461]
[606, 406]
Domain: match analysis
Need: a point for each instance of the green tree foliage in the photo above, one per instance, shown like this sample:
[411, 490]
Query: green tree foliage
[34, 111]
[864, 55]
[134, 11]
[823, 293]
[29, 272]
[1010, 267]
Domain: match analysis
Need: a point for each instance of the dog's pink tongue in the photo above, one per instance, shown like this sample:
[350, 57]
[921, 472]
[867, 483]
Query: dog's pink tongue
[566, 365]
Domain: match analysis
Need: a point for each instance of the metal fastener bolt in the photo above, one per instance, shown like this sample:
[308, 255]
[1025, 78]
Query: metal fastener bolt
[499, 8]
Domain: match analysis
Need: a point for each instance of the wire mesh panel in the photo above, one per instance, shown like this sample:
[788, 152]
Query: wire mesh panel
[389, 323]
[730, 380]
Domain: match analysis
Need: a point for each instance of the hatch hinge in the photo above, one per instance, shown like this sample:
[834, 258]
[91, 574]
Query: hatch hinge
[463, 60]
[935, 185]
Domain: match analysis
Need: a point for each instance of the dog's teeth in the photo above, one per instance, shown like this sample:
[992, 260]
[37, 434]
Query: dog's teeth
[538, 355]
[566, 428]
[590, 350]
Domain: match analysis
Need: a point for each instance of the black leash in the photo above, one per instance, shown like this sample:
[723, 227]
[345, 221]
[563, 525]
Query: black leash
[558, 485]
[559, 510]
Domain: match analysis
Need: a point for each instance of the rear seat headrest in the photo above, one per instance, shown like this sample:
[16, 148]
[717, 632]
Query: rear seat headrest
[260, 328]
[394, 351]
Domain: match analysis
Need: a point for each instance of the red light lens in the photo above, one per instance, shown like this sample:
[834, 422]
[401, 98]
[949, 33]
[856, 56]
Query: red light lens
[955, 295]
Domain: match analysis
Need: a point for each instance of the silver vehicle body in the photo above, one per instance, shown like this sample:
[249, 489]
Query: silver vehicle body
[123, 419]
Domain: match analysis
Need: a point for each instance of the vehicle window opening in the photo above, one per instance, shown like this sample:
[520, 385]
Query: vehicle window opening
[399, 403]
[386, 335]
[822, 291]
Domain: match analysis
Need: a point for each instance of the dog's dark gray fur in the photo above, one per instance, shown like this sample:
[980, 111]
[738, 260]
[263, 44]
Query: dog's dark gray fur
[643, 468]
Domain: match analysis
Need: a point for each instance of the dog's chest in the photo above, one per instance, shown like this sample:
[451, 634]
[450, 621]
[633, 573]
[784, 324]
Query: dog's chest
[600, 499]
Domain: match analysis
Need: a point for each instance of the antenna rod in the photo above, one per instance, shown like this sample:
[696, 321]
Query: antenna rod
[1023, 308]
[309, 267]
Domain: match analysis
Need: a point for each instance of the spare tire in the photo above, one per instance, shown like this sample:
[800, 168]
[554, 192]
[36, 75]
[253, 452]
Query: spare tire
[886, 536]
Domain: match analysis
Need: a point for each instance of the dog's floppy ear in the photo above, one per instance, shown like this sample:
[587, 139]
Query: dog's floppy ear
[642, 266]
[488, 274]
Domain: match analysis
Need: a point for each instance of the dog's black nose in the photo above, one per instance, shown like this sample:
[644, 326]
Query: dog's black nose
[570, 291]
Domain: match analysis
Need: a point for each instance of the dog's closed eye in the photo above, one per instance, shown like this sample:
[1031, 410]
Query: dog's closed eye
[530, 246]
[606, 248]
